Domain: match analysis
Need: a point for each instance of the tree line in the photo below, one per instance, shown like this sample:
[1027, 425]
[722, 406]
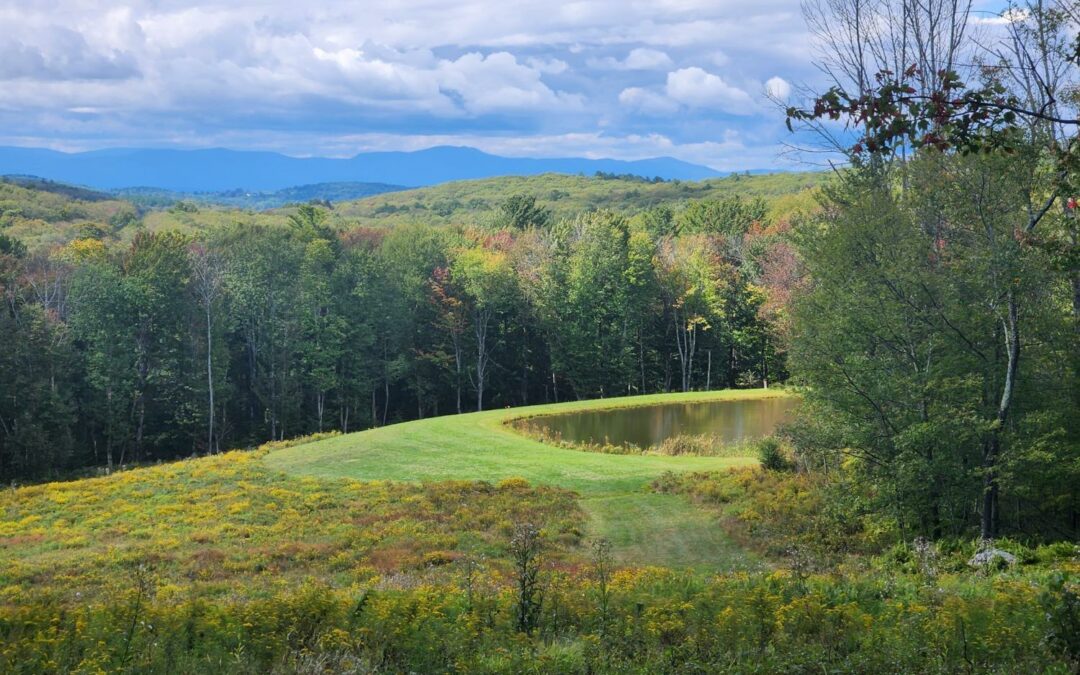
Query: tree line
[940, 331]
[173, 345]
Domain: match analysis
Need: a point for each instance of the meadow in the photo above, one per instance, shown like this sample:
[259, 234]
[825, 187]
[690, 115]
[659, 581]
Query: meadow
[400, 549]
[644, 527]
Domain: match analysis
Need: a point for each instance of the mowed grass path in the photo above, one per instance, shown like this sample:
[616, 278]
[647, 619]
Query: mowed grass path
[644, 528]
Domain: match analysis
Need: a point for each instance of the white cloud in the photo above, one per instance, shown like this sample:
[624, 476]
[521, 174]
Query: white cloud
[77, 72]
[497, 82]
[57, 53]
[1009, 16]
[777, 88]
[698, 88]
[647, 102]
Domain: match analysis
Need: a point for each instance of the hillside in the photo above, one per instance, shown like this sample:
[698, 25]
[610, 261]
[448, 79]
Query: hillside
[44, 213]
[612, 489]
[568, 195]
[329, 555]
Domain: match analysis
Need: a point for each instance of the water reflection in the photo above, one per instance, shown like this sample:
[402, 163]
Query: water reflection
[731, 421]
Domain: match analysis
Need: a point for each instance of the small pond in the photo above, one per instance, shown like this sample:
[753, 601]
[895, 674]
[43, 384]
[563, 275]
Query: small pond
[730, 421]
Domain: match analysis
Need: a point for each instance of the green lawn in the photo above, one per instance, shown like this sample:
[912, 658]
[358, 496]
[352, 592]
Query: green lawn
[644, 528]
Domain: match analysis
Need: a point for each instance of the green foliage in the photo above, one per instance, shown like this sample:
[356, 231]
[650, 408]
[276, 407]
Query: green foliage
[520, 212]
[356, 330]
[569, 196]
[46, 214]
[731, 216]
[901, 346]
[653, 621]
[772, 456]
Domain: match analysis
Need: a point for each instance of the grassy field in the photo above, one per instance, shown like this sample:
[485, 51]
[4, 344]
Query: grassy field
[227, 564]
[644, 527]
[228, 525]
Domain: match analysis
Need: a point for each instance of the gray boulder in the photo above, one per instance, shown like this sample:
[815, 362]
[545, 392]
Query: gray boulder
[990, 556]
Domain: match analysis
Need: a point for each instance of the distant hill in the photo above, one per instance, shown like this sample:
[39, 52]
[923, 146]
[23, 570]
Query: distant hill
[43, 213]
[44, 185]
[476, 201]
[301, 194]
[218, 170]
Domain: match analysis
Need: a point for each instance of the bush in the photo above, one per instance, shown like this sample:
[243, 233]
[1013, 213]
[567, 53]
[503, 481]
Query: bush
[773, 456]
[654, 620]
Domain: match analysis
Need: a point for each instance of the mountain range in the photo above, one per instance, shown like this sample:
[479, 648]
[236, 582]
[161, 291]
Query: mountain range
[218, 170]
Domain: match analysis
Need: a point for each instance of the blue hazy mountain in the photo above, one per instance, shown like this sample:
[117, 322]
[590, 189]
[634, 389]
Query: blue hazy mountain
[153, 197]
[222, 170]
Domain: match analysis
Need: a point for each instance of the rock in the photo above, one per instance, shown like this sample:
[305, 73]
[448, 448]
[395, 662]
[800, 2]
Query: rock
[990, 555]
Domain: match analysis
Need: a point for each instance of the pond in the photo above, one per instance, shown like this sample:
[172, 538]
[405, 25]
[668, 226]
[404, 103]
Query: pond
[730, 421]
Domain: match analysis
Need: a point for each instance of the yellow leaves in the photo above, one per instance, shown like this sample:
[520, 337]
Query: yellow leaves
[512, 483]
[78, 541]
[60, 498]
[335, 639]
[282, 494]
[82, 250]
[12, 527]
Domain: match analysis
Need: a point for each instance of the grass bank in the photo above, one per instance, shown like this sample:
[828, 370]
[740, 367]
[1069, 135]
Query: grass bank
[644, 527]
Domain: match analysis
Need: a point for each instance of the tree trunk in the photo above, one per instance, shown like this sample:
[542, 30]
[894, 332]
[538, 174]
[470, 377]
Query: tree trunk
[641, 360]
[481, 326]
[209, 383]
[109, 429]
[524, 365]
[320, 406]
[765, 363]
[386, 386]
[992, 446]
[457, 373]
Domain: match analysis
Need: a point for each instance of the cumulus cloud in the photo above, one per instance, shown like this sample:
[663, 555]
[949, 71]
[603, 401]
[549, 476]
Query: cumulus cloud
[249, 73]
[699, 88]
[497, 82]
[61, 54]
[777, 88]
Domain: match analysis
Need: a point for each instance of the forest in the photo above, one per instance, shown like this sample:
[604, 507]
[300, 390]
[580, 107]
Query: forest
[176, 344]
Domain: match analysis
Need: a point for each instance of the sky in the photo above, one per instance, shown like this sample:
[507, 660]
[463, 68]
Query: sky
[697, 80]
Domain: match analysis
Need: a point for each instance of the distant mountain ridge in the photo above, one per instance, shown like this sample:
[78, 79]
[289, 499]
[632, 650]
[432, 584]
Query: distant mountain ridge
[220, 170]
[319, 192]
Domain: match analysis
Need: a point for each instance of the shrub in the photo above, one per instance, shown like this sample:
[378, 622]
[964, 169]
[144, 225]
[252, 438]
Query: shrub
[772, 455]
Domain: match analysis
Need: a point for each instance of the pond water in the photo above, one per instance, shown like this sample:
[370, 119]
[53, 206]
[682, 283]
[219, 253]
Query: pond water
[731, 421]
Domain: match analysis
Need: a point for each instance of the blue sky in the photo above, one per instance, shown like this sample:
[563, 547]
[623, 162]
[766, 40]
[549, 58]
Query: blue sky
[599, 78]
